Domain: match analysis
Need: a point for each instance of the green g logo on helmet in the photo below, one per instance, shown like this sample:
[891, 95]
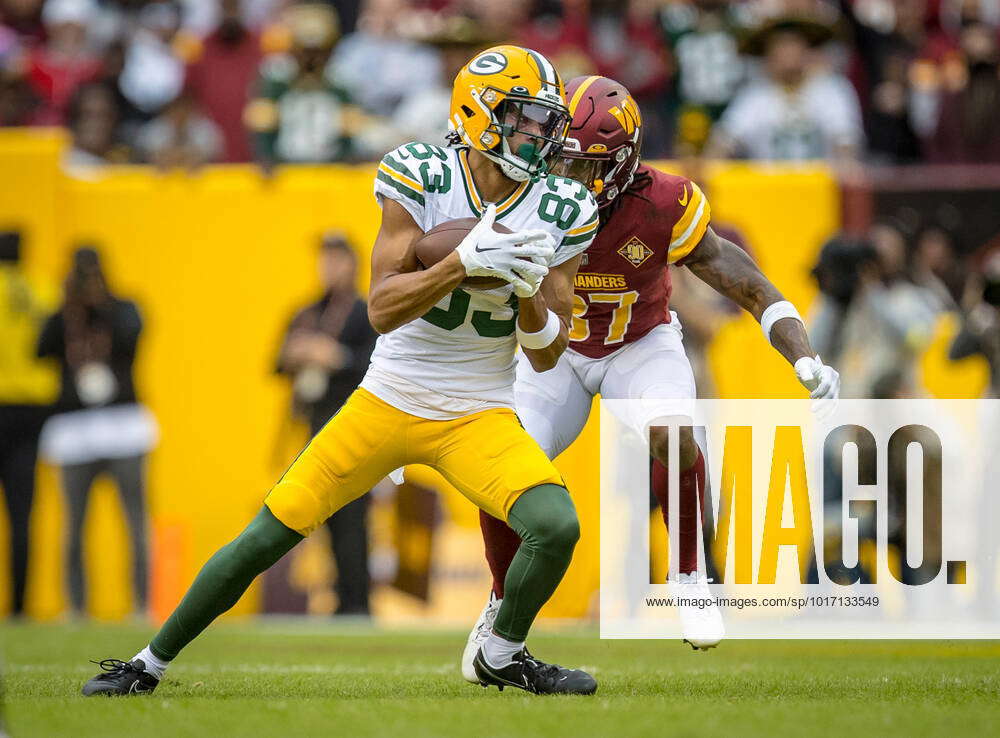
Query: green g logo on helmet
[489, 62]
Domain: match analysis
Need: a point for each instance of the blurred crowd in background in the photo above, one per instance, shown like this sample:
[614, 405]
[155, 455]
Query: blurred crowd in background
[185, 82]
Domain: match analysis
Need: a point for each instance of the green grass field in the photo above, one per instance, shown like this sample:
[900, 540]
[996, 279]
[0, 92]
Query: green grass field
[283, 679]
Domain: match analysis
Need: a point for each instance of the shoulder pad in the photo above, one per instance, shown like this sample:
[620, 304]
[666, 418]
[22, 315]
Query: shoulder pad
[429, 164]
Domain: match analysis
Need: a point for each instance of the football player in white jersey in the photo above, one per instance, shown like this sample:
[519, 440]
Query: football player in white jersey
[439, 390]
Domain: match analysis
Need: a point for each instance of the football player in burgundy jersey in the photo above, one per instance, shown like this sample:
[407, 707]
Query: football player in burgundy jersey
[625, 342]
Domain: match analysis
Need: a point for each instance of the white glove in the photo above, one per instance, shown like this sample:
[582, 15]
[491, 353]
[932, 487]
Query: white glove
[486, 253]
[532, 272]
[823, 383]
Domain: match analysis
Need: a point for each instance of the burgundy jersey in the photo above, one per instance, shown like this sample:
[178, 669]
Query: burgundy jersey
[622, 290]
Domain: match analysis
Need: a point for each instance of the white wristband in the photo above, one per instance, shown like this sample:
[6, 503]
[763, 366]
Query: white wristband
[542, 338]
[775, 312]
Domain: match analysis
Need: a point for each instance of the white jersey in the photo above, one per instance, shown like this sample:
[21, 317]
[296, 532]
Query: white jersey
[459, 357]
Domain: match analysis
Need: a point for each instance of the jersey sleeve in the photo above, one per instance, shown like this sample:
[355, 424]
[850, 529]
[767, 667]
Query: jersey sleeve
[395, 179]
[579, 234]
[695, 213]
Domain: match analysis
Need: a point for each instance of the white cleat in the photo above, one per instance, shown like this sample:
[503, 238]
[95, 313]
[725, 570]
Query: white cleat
[480, 632]
[702, 626]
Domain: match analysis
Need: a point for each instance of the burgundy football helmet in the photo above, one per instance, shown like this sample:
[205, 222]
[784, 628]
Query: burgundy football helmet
[602, 147]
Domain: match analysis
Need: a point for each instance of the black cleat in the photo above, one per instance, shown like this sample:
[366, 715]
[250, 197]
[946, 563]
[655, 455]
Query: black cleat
[528, 673]
[120, 678]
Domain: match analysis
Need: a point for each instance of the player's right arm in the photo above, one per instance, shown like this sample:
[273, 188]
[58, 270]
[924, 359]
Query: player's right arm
[731, 272]
[726, 267]
[399, 291]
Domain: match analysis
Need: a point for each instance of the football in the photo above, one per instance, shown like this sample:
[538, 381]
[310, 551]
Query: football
[444, 238]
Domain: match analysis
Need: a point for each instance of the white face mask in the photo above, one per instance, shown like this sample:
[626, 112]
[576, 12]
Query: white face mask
[527, 161]
[95, 383]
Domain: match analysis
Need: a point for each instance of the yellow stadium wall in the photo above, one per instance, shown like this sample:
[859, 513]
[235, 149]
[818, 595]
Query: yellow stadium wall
[217, 261]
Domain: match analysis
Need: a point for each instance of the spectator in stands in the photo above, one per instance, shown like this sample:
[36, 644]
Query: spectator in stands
[180, 137]
[618, 40]
[11, 48]
[936, 266]
[93, 121]
[24, 17]
[968, 101]
[27, 389]
[704, 39]
[956, 15]
[422, 115]
[153, 74]
[797, 110]
[503, 20]
[376, 65]
[200, 17]
[220, 77]
[57, 68]
[18, 102]
[325, 353]
[980, 332]
[888, 38]
[130, 117]
[100, 427]
[628, 46]
[561, 32]
[299, 114]
[872, 320]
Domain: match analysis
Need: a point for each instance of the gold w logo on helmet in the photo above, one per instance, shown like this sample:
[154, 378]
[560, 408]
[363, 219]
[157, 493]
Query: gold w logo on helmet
[627, 114]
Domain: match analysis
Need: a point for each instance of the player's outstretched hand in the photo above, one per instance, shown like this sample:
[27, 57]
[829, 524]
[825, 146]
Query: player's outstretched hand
[520, 258]
[823, 383]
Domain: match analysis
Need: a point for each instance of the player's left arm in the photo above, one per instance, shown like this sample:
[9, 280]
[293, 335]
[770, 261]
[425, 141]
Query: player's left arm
[556, 295]
[728, 269]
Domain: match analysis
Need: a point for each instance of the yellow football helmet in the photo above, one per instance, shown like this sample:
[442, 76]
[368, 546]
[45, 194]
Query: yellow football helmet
[507, 90]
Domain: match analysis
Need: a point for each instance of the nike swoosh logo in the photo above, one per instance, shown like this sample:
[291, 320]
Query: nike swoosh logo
[508, 682]
[683, 200]
[494, 248]
[137, 689]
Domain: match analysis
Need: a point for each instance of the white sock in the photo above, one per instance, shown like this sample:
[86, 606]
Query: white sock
[499, 652]
[153, 665]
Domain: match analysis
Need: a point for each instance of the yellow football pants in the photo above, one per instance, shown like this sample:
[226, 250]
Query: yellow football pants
[487, 456]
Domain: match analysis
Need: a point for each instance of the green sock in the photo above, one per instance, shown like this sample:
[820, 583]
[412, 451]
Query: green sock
[545, 519]
[223, 580]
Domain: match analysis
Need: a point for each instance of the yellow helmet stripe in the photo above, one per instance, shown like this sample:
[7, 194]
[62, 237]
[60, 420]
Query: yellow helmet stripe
[578, 95]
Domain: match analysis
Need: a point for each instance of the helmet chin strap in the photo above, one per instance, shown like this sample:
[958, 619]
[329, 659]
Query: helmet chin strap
[510, 170]
[520, 169]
